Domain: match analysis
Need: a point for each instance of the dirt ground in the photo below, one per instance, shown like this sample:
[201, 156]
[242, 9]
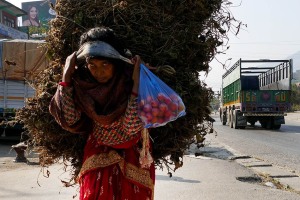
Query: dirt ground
[8, 155]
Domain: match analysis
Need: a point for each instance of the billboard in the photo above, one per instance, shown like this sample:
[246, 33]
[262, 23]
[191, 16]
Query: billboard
[38, 13]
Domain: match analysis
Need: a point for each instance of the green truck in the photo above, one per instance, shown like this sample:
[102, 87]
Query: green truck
[256, 91]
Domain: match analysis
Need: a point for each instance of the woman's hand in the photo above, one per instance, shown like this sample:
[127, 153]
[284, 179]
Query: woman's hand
[69, 68]
[136, 60]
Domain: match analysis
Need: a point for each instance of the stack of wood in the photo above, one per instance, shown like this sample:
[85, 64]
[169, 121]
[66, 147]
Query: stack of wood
[181, 34]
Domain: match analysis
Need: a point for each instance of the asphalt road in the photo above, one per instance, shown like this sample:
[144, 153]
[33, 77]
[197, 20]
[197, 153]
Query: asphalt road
[205, 178]
[201, 178]
[279, 147]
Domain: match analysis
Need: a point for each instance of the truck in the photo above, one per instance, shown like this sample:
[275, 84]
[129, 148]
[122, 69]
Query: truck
[256, 91]
[21, 61]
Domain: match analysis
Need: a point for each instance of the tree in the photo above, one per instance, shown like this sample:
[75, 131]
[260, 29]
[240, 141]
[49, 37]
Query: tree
[295, 97]
[215, 102]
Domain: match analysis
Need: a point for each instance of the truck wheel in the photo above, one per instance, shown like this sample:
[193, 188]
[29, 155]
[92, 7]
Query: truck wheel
[228, 118]
[263, 124]
[234, 119]
[231, 119]
[224, 119]
[224, 122]
[269, 124]
[266, 123]
[276, 127]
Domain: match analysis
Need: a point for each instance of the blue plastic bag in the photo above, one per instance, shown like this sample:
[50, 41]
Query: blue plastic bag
[158, 104]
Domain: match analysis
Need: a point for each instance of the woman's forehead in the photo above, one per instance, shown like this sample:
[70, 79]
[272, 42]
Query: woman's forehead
[97, 60]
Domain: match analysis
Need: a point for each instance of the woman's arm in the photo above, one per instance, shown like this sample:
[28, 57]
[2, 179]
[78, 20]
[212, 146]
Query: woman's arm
[63, 109]
[69, 68]
[131, 123]
[136, 60]
[62, 105]
[70, 113]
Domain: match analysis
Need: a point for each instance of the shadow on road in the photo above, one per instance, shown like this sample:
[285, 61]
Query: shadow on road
[175, 178]
[215, 152]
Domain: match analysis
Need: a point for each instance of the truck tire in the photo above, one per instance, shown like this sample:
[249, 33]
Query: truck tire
[234, 119]
[231, 119]
[269, 124]
[266, 123]
[276, 127]
[263, 124]
[224, 118]
[224, 122]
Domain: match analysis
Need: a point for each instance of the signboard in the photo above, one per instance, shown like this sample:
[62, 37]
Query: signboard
[39, 13]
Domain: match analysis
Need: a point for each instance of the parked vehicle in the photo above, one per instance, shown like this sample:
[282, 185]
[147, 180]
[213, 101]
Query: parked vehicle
[20, 62]
[256, 90]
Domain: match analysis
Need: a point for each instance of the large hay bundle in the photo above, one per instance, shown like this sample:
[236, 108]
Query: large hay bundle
[182, 34]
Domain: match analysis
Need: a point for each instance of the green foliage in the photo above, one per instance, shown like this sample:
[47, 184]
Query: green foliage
[37, 30]
[215, 103]
[295, 97]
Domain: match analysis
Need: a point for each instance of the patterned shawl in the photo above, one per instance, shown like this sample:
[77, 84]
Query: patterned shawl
[103, 103]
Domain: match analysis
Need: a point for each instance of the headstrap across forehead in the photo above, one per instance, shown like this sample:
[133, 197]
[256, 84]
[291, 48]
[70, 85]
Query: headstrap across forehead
[99, 49]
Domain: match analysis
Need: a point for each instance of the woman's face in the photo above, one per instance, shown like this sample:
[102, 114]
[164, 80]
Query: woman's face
[33, 12]
[102, 70]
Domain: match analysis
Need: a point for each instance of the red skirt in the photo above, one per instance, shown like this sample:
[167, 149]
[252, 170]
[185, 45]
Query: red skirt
[109, 184]
[119, 181]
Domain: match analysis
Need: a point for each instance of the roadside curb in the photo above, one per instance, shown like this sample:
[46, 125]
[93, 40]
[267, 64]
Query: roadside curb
[271, 175]
[283, 178]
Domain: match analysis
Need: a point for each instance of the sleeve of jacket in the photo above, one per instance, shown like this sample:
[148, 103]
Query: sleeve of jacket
[63, 109]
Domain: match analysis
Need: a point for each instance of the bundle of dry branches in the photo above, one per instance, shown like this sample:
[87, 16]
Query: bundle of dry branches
[182, 34]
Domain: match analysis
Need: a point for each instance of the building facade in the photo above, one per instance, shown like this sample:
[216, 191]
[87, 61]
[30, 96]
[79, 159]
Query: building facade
[9, 14]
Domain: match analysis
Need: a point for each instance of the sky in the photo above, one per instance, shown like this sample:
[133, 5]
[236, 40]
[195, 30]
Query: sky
[272, 32]
[16, 2]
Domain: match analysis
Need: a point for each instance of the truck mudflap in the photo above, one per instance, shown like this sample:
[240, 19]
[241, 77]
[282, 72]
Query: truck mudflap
[264, 114]
[279, 120]
[240, 119]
